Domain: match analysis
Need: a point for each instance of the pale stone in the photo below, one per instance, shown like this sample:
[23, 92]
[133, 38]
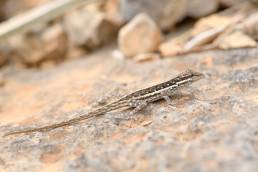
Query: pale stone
[39, 47]
[141, 35]
[170, 48]
[89, 29]
[236, 39]
[146, 57]
[166, 13]
[200, 8]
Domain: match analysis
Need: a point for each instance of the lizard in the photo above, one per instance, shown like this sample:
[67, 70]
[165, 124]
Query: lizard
[136, 100]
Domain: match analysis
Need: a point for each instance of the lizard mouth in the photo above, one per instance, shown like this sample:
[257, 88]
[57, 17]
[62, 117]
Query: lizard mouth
[197, 76]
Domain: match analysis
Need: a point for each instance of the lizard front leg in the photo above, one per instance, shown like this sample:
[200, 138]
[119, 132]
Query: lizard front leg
[167, 94]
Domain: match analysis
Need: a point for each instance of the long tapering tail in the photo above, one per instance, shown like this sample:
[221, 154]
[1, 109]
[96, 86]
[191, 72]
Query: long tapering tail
[82, 117]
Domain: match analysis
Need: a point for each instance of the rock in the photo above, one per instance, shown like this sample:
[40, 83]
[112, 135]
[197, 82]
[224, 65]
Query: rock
[146, 57]
[204, 38]
[112, 11]
[230, 2]
[118, 55]
[4, 53]
[235, 39]
[89, 29]
[3, 59]
[170, 48]
[204, 31]
[231, 30]
[255, 2]
[43, 46]
[214, 129]
[52, 156]
[2, 7]
[141, 35]
[250, 26]
[2, 81]
[200, 8]
[76, 52]
[212, 21]
[166, 13]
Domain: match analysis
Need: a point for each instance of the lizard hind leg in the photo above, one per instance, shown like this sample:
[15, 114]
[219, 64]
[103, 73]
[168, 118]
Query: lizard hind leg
[138, 105]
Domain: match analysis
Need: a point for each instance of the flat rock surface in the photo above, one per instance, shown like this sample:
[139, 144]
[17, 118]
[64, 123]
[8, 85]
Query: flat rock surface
[214, 130]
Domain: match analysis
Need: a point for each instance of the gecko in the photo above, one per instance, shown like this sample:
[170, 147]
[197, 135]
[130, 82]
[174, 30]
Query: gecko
[136, 101]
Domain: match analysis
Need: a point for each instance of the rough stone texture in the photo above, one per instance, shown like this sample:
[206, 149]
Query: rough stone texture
[200, 8]
[165, 12]
[216, 131]
[141, 35]
[38, 48]
[89, 29]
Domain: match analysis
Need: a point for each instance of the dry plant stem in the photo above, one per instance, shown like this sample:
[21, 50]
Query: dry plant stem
[203, 38]
[136, 100]
[37, 15]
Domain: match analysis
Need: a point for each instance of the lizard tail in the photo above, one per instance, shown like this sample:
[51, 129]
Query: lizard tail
[75, 120]
[51, 127]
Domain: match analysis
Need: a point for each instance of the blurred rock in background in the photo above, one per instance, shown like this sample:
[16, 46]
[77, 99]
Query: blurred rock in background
[39, 47]
[230, 2]
[200, 8]
[4, 53]
[165, 12]
[140, 35]
[89, 27]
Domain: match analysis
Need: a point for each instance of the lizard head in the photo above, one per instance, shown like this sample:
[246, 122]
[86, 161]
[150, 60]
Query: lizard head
[195, 76]
[188, 77]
